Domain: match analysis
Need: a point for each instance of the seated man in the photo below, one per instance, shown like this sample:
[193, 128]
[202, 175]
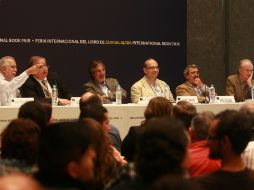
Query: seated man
[105, 87]
[149, 85]
[40, 85]
[9, 84]
[239, 85]
[193, 85]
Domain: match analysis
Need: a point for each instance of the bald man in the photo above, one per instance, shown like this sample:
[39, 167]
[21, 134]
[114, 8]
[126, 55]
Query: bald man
[239, 85]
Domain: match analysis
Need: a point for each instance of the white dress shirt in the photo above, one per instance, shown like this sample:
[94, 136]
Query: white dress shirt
[9, 89]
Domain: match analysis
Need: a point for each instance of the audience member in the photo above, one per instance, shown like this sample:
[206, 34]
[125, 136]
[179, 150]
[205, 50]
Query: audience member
[239, 85]
[105, 165]
[229, 135]
[162, 150]
[90, 98]
[157, 107]
[19, 147]
[35, 111]
[18, 181]
[40, 85]
[100, 114]
[248, 154]
[150, 85]
[184, 111]
[9, 84]
[193, 85]
[67, 156]
[105, 87]
[199, 161]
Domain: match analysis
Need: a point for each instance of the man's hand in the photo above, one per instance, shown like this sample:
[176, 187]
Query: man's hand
[198, 82]
[34, 69]
[249, 80]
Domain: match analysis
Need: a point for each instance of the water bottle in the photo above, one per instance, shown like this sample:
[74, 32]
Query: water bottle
[212, 94]
[252, 92]
[118, 94]
[54, 95]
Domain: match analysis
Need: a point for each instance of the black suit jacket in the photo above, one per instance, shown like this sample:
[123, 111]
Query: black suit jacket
[32, 88]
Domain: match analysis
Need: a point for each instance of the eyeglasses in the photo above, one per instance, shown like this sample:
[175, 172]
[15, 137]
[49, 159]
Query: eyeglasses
[43, 66]
[155, 67]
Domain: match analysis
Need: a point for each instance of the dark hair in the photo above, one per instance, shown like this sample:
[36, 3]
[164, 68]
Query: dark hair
[92, 66]
[200, 125]
[92, 100]
[35, 111]
[185, 111]
[162, 148]
[61, 143]
[158, 106]
[94, 111]
[34, 59]
[20, 141]
[236, 126]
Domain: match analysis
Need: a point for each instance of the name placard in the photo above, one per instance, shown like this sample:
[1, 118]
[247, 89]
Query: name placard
[144, 99]
[224, 99]
[75, 101]
[19, 101]
[191, 99]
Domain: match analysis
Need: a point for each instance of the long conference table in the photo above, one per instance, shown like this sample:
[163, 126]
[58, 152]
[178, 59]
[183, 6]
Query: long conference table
[122, 116]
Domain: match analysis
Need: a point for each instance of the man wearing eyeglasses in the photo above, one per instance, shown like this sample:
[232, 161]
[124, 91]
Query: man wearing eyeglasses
[40, 85]
[9, 82]
[150, 85]
[229, 134]
[193, 85]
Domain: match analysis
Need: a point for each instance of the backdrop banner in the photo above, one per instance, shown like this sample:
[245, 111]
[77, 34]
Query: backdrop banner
[122, 33]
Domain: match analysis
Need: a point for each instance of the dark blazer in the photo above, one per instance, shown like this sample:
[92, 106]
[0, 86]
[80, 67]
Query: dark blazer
[32, 88]
[111, 83]
[130, 142]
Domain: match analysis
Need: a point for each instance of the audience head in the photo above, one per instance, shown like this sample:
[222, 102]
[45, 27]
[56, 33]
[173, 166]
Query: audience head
[67, 154]
[35, 111]
[151, 69]
[184, 111]
[20, 141]
[158, 107]
[245, 69]
[105, 164]
[191, 73]
[98, 113]
[162, 149]
[18, 181]
[97, 70]
[43, 72]
[247, 107]
[200, 125]
[8, 67]
[89, 98]
[229, 134]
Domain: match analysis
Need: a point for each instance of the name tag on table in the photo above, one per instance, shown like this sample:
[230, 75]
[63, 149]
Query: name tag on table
[191, 99]
[224, 99]
[144, 100]
[75, 101]
[19, 101]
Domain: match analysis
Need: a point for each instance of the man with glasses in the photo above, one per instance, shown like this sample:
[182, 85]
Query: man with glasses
[40, 85]
[229, 134]
[9, 82]
[193, 85]
[150, 85]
